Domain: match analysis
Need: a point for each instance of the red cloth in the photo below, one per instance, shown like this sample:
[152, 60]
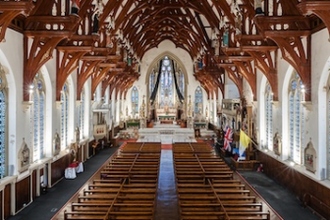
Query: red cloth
[74, 164]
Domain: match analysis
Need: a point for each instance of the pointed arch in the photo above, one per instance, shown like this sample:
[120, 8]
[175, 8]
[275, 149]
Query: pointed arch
[81, 114]
[9, 89]
[64, 115]
[3, 124]
[135, 100]
[323, 112]
[38, 115]
[198, 100]
[268, 109]
[296, 118]
[155, 62]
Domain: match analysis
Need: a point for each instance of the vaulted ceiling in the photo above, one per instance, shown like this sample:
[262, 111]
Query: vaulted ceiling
[107, 39]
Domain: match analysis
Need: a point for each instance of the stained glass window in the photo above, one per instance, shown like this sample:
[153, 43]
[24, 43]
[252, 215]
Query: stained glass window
[198, 100]
[64, 117]
[38, 117]
[151, 82]
[291, 124]
[135, 100]
[41, 131]
[269, 116]
[296, 119]
[166, 84]
[3, 156]
[81, 115]
[181, 82]
[166, 94]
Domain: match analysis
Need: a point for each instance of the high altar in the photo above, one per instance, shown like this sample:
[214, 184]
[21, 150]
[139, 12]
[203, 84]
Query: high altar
[166, 115]
[166, 112]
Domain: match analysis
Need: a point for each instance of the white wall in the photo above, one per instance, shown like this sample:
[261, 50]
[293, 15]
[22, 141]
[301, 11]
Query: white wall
[11, 57]
[231, 90]
[153, 56]
[315, 112]
[317, 117]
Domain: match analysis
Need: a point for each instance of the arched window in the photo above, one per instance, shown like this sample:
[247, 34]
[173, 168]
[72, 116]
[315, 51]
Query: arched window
[152, 82]
[166, 84]
[64, 116]
[181, 82]
[81, 115]
[296, 118]
[38, 97]
[198, 100]
[269, 116]
[135, 101]
[3, 125]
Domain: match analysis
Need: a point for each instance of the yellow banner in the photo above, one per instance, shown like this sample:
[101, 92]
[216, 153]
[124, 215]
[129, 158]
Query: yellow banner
[244, 139]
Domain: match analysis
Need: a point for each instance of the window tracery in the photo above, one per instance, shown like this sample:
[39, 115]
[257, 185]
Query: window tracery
[135, 100]
[64, 116]
[269, 116]
[38, 97]
[198, 100]
[296, 118]
[3, 124]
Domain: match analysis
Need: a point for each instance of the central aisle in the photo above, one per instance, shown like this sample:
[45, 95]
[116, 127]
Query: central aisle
[167, 206]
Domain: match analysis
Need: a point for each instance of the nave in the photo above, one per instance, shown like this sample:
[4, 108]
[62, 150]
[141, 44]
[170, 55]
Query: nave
[166, 198]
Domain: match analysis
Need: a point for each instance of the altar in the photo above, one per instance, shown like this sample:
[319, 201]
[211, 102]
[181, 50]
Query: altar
[166, 134]
[167, 116]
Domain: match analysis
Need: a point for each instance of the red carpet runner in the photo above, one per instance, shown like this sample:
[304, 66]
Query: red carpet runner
[166, 146]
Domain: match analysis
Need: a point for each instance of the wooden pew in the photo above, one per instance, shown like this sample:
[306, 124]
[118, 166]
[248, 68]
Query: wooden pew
[206, 188]
[126, 188]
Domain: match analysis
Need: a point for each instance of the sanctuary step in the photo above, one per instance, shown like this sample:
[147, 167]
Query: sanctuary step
[166, 134]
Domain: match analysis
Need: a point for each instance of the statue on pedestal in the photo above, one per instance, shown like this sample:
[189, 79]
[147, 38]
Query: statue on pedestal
[24, 157]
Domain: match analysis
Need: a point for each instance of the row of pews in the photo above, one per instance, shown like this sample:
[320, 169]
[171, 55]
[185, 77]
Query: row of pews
[207, 189]
[124, 189]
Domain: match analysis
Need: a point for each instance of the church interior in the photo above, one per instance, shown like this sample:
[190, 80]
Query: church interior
[186, 97]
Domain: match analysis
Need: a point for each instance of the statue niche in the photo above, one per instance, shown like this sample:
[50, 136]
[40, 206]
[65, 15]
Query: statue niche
[310, 157]
[56, 144]
[24, 157]
[277, 144]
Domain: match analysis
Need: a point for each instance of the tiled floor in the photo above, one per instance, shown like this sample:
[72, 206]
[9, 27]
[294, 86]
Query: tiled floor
[167, 207]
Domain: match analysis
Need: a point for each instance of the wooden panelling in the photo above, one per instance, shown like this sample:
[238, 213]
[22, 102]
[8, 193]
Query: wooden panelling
[79, 153]
[90, 149]
[23, 193]
[7, 201]
[116, 130]
[34, 184]
[41, 172]
[1, 210]
[58, 168]
[84, 152]
[309, 191]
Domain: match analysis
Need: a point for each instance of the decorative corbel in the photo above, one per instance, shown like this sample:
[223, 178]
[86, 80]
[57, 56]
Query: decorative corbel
[26, 105]
[308, 105]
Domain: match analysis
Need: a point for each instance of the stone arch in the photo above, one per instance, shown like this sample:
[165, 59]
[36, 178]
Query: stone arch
[322, 111]
[285, 115]
[156, 61]
[49, 94]
[12, 110]
[261, 104]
